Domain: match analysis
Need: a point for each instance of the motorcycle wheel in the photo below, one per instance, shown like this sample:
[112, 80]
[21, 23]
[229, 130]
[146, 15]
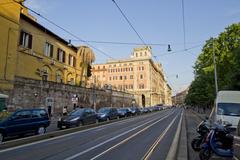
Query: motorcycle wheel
[196, 144]
[205, 154]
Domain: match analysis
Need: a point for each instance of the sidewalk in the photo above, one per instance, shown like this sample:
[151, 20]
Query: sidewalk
[193, 118]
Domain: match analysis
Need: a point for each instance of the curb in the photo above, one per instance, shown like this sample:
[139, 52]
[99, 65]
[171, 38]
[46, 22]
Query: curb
[55, 134]
[183, 147]
[172, 153]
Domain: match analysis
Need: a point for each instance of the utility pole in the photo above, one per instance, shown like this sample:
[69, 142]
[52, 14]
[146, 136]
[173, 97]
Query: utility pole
[215, 68]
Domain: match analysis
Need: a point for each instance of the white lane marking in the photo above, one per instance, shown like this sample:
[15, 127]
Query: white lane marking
[155, 144]
[74, 133]
[99, 129]
[235, 158]
[175, 143]
[111, 139]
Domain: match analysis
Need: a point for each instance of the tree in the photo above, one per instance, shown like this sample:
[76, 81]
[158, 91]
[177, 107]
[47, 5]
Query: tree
[227, 51]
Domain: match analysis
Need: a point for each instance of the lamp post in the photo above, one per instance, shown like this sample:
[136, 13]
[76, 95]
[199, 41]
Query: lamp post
[215, 67]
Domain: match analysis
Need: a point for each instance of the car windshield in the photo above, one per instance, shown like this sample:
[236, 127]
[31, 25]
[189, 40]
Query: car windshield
[230, 109]
[77, 112]
[103, 110]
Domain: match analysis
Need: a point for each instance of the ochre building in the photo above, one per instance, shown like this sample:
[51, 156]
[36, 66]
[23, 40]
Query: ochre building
[30, 50]
[138, 75]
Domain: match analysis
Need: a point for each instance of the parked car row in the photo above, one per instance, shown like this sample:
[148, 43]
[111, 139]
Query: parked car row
[24, 121]
[35, 121]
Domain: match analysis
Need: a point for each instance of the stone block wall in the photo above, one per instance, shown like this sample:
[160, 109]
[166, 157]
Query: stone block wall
[28, 93]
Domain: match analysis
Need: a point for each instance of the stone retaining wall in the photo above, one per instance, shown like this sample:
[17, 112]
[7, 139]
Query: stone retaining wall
[28, 93]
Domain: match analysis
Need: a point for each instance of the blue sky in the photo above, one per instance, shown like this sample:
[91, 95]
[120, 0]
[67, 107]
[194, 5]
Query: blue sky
[157, 21]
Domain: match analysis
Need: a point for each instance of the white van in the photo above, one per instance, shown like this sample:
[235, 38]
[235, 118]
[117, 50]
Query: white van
[228, 107]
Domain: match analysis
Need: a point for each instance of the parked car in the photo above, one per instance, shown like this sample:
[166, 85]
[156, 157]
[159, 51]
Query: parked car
[107, 113]
[78, 117]
[124, 112]
[135, 111]
[24, 121]
[146, 110]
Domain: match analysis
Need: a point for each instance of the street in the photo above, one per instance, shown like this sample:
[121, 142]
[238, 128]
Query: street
[143, 137]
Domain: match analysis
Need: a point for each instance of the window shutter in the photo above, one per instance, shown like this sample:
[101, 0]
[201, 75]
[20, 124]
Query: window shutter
[64, 57]
[51, 50]
[58, 54]
[74, 62]
[69, 59]
[21, 38]
[30, 42]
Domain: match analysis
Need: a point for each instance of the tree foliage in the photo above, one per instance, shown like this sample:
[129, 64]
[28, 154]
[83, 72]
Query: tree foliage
[227, 52]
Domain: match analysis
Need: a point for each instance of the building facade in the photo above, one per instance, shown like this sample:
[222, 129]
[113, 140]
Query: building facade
[30, 50]
[138, 75]
[179, 98]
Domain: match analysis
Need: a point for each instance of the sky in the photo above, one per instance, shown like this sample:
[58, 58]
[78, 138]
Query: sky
[156, 21]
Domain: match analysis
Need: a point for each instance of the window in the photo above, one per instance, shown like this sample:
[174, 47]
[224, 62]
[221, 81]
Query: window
[98, 67]
[141, 54]
[48, 50]
[114, 65]
[120, 77]
[131, 86]
[141, 76]
[136, 54]
[131, 76]
[142, 68]
[45, 74]
[71, 60]
[118, 69]
[145, 53]
[22, 115]
[103, 67]
[59, 77]
[110, 78]
[125, 77]
[141, 86]
[25, 40]
[61, 55]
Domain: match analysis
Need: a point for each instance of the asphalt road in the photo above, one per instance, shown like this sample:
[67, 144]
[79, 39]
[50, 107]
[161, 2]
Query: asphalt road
[144, 137]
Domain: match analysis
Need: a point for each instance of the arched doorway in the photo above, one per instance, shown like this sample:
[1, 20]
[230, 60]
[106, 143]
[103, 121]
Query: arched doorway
[143, 100]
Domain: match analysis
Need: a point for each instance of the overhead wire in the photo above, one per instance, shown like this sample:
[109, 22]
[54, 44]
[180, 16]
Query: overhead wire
[65, 30]
[178, 51]
[130, 24]
[184, 27]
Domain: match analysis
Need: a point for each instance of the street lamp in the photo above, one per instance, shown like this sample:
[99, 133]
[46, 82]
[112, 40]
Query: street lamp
[215, 68]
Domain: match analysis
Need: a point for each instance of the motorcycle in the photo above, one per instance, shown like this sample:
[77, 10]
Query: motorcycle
[203, 130]
[218, 141]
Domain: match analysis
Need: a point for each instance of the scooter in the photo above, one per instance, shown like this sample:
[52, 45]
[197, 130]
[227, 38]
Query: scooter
[203, 130]
[219, 141]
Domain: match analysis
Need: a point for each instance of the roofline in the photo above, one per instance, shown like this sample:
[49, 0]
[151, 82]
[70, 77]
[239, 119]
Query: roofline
[47, 31]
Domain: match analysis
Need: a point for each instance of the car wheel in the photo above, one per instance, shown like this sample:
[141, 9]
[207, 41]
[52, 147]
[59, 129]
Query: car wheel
[41, 130]
[79, 123]
[1, 138]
